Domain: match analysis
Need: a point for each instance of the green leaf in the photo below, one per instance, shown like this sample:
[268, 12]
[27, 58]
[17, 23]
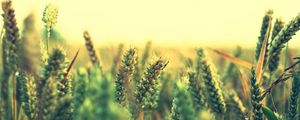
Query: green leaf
[269, 113]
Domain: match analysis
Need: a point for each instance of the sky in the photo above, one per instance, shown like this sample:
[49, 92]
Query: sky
[180, 23]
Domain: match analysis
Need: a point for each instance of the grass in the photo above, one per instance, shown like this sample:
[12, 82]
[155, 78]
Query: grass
[159, 83]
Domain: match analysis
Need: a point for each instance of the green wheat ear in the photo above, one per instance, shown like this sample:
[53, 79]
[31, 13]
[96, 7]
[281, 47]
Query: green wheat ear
[47, 85]
[236, 107]
[124, 76]
[280, 40]
[196, 91]
[278, 25]
[294, 96]
[26, 94]
[50, 19]
[148, 88]
[215, 97]
[263, 31]
[182, 106]
[10, 44]
[255, 97]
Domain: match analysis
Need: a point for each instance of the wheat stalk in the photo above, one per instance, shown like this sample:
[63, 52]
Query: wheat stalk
[279, 41]
[47, 86]
[10, 44]
[215, 98]
[256, 98]
[147, 90]
[196, 91]
[124, 75]
[91, 50]
[263, 34]
[278, 25]
[50, 19]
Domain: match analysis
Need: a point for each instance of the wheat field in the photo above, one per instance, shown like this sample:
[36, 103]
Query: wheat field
[43, 77]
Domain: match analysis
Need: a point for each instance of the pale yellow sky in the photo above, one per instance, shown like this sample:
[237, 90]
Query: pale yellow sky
[214, 23]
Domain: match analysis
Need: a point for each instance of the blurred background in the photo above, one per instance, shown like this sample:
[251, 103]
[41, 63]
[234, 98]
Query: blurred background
[167, 23]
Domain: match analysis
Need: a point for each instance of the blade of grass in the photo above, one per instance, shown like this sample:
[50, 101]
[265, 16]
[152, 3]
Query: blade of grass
[233, 59]
[245, 84]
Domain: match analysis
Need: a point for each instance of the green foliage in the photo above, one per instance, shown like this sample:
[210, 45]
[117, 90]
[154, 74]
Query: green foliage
[131, 89]
[269, 113]
[182, 106]
[80, 92]
[100, 101]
